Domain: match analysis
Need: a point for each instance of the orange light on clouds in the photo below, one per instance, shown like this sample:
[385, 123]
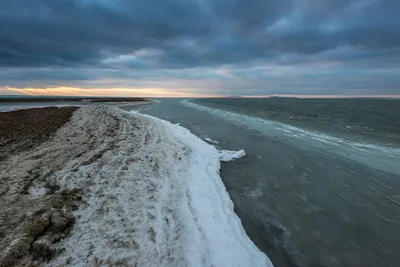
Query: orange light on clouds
[123, 92]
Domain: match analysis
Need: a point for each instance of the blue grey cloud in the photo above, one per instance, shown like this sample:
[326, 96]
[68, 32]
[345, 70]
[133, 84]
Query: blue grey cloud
[70, 42]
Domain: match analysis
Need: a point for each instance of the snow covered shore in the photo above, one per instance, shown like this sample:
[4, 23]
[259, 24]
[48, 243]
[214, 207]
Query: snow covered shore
[152, 194]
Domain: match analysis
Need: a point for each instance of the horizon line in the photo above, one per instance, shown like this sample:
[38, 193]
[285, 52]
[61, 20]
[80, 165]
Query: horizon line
[215, 96]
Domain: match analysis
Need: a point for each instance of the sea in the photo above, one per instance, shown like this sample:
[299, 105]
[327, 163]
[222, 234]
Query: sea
[375, 120]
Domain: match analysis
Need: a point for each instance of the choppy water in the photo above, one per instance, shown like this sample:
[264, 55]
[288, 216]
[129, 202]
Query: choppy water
[309, 193]
[376, 121]
[361, 150]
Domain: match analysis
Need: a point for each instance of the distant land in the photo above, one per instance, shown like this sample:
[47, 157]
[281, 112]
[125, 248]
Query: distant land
[15, 98]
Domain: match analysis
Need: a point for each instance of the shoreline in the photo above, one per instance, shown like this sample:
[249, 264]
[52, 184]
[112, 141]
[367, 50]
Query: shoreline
[31, 99]
[75, 184]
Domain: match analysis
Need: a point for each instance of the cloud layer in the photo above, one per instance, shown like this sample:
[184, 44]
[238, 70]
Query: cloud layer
[228, 47]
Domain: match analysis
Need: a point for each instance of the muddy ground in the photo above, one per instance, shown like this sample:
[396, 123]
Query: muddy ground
[31, 222]
[24, 129]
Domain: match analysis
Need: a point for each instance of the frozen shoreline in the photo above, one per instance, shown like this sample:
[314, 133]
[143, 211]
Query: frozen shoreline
[152, 195]
[215, 226]
[178, 206]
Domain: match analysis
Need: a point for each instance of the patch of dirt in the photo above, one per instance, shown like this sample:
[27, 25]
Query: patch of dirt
[31, 224]
[29, 227]
[24, 129]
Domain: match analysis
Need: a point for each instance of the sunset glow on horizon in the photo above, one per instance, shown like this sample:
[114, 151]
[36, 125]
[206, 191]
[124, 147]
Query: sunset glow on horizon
[104, 92]
[154, 92]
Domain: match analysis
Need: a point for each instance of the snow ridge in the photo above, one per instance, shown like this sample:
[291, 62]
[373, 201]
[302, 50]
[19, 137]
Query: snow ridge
[211, 141]
[213, 222]
[153, 195]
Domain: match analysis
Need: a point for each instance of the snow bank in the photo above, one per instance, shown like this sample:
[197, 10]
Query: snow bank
[210, 140]
[225, 155]
[153, 195]
[216, 236]
[37, 192]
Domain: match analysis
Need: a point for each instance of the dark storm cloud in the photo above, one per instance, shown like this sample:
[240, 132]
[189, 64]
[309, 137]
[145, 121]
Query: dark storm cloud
[57, 32]
[54, 32]
[127, 35]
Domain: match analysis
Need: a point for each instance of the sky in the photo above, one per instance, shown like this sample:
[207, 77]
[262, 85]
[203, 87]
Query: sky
[200, 47]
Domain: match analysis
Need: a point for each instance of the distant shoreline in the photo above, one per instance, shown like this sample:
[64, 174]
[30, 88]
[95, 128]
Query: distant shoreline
[15, 99]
